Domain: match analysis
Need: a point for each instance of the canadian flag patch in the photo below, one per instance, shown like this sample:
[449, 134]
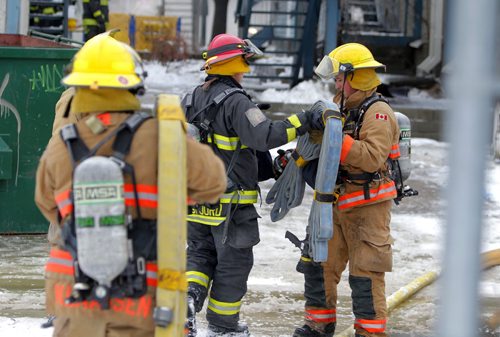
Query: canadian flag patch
[381, 116]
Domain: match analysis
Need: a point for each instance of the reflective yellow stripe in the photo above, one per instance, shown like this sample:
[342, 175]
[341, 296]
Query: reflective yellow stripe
[305, 259]
[242, 197]
[206, 220]
[226, 143]
[48, 10]
[295, 121]
[89, 22]
[198, 277]
[291, 134]
[97, 13]
[224, 308]
[104, 2]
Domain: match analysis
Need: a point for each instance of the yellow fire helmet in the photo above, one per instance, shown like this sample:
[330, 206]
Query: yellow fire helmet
[104, 62]
[345, 59]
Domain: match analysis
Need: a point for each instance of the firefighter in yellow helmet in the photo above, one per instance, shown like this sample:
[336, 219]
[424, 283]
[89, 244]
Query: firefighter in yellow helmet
[221, 236]
[76, 176]
[362, 212]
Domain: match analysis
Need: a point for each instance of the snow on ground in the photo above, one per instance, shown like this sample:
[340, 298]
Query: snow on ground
[274, 303]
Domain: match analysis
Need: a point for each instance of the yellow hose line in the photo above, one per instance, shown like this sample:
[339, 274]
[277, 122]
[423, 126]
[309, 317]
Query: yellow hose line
[489, 260]
[492, 259]
[494, 321]
[410, 289]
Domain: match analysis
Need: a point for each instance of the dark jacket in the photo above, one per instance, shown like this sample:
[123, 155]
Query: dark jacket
[238, 119]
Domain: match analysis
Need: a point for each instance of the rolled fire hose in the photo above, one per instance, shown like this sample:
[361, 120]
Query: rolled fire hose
[490, 259]
[288, 191]
[321, 214]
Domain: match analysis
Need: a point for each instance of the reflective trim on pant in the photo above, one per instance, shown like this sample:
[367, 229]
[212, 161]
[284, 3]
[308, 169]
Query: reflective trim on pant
[224, 308]
[321, 315]
[198, 277]
[371, 325]
[227, 268]
[367, 285]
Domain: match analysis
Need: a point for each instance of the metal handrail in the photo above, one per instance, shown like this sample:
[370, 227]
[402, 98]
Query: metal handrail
[55, 38]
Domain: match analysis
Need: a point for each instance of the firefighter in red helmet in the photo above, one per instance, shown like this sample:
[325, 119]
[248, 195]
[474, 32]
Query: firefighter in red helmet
[221, 236]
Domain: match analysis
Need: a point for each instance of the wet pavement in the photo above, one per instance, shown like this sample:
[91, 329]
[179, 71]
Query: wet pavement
[274, 303]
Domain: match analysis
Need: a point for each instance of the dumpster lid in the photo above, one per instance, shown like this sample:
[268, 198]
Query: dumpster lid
[17, 40]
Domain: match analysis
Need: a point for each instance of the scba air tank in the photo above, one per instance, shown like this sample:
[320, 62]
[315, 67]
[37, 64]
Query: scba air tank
[101, 227]
[404, 144]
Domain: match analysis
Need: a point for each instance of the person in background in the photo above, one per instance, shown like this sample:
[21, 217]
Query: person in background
[95, 18]
[107, 76]
[362, 213]
[221, 236]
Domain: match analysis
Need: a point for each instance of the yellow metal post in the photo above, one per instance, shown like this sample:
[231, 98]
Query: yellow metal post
[172, 190]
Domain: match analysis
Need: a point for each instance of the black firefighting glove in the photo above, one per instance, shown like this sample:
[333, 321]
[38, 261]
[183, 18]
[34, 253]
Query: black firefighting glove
[318, 118]
[263, 106]
[280, 162]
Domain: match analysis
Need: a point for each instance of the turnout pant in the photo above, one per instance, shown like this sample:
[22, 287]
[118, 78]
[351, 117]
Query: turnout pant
[361, 237]
[219, 261]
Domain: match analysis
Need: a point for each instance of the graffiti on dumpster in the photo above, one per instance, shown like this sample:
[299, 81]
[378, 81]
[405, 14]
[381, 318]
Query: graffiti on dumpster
[47, 78]
[6, 109]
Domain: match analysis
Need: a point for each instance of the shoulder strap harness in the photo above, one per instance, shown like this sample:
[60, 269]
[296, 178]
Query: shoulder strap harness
[358, 117]
[79, 151]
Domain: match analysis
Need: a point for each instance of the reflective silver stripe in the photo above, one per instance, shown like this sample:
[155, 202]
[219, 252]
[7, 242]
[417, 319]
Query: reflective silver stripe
[151, 274]
[242, 197]
[142, 196]
[64, 203]
[63, 262]
[373, 195]
[206, 220]
[316, 317]
[224, 308]
[197, 277]
[371, 326]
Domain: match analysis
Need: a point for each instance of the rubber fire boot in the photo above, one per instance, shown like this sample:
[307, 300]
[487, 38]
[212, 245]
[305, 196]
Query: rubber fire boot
[307, 331]
[191, 318]
[218, 331]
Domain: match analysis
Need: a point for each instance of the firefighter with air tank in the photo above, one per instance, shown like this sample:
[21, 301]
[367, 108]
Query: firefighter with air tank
[369, 179]
[97, 182]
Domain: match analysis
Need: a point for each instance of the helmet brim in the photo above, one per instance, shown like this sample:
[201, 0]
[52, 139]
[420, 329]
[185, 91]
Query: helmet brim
[329, 68]
[117, 81]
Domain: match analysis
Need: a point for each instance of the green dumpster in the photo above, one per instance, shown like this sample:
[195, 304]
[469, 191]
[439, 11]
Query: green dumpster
[30, 73]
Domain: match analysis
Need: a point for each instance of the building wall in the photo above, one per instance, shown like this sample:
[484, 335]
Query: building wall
[191, 14]
[3, 15]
